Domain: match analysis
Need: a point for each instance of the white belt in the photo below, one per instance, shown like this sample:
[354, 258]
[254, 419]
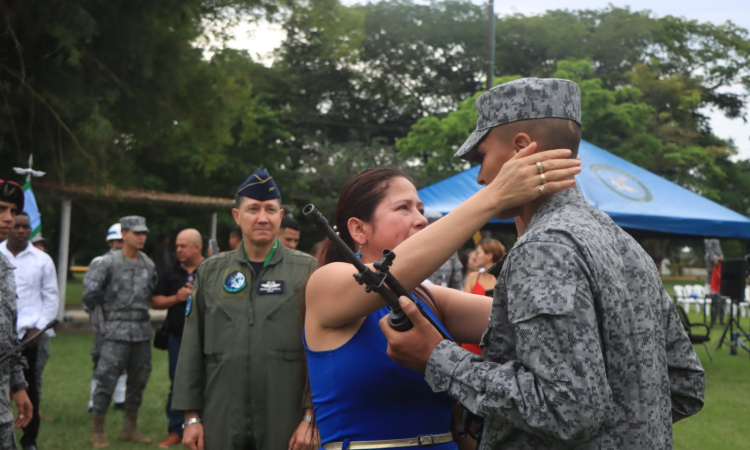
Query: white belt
[419, 441]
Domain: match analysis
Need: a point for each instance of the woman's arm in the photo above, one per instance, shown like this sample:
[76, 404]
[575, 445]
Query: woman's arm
[334, 299]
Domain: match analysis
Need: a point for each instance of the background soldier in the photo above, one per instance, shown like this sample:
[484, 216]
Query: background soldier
[11, 372]
[122, 282]
[96, 317]
[240, 364]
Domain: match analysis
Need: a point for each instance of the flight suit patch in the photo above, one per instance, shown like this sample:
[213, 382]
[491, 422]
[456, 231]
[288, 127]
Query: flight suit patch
[266, 287]
[235, 282]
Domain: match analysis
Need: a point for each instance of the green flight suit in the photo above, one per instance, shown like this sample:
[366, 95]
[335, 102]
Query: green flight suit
[241, 359]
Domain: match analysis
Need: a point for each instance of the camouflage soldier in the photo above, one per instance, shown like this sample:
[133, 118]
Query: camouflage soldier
[96, 317]
[122, 283]
[584, 349]
[11, 372]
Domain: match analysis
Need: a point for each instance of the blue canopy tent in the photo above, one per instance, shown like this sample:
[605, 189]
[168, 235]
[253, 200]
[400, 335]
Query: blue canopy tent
[635, 198]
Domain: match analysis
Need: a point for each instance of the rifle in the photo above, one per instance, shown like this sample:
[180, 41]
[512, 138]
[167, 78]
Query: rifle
[383, 282]
[23, 344]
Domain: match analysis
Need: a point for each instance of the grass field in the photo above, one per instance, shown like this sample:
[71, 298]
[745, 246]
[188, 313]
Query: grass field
[65, 396]
[721, 425]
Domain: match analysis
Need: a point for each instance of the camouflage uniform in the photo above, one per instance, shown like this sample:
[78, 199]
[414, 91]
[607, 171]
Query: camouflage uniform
[449, 274]
[584, 349]
[123, 288]
[11, 371]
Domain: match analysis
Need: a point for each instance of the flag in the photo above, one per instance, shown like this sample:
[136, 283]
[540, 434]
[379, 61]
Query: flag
[31, 208]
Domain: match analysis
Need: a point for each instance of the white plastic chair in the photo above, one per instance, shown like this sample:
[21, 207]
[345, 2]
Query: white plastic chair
[700, 297]
[682, 296]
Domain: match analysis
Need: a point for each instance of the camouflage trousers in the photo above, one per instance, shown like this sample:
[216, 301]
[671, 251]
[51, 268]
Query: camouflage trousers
[7, 437]
[118, 357]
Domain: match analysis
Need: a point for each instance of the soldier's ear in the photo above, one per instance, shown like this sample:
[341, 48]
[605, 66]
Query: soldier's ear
[521, 141]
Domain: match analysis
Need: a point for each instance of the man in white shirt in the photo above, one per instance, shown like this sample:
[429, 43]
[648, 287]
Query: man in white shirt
[38, 299]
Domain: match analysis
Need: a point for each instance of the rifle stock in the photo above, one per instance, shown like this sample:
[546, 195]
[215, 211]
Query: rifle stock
[21, 345]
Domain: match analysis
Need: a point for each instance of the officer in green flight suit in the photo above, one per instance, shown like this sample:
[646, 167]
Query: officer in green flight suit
[240, 376]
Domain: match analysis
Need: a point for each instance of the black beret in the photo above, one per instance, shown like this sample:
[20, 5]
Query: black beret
[12, 192]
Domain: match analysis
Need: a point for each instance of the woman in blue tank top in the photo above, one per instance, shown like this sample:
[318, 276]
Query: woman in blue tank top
[361, 398]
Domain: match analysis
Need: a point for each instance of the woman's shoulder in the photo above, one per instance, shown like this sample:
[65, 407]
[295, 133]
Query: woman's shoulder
[327, 277]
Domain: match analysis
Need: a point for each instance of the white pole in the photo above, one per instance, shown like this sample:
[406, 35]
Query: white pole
[213, 225]
[62, 257]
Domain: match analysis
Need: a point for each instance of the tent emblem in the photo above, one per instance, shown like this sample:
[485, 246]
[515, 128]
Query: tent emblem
[622, 183]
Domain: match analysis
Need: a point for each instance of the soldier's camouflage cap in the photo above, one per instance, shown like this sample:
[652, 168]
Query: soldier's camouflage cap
[523, 99]
[136, 224]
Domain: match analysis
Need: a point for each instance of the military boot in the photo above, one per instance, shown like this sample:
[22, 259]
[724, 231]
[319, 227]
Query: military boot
[98, 439]
[130, 432]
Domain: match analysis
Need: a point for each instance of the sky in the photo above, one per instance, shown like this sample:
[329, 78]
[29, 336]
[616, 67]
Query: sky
[261, 39]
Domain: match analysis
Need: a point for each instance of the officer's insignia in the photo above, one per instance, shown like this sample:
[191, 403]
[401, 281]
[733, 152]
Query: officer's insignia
[189, 306]
[266, 287]
[8, 191]
[235, 282]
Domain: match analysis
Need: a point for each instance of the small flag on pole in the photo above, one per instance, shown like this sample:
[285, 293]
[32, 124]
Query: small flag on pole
[31, 208]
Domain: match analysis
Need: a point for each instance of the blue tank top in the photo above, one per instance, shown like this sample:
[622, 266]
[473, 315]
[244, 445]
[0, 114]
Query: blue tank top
[360, 394]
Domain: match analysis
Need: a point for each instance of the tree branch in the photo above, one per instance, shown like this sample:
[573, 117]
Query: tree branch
[19, 48]
[59, 120]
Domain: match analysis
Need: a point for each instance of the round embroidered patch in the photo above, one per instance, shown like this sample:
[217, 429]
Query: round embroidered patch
[235, 282]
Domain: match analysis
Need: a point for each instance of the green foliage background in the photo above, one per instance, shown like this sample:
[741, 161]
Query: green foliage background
[128, 95]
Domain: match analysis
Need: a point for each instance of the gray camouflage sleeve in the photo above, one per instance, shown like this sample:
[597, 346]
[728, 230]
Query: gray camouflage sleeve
[556, 386]
[687, 380]
[95, 282]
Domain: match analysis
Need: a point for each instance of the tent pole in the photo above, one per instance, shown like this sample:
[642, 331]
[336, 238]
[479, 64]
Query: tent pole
[62, 257]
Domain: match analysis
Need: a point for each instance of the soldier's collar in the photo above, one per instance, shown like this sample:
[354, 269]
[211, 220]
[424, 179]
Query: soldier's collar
[5, 265]
[273, 257]
[553, 203]
[497, 267]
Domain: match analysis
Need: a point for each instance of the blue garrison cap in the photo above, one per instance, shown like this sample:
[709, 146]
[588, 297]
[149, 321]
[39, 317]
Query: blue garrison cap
[259, 186]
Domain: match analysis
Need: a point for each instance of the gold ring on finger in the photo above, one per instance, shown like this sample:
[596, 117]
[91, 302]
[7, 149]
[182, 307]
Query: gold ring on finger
[541, 190]
[543, 177]
[539, 168]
